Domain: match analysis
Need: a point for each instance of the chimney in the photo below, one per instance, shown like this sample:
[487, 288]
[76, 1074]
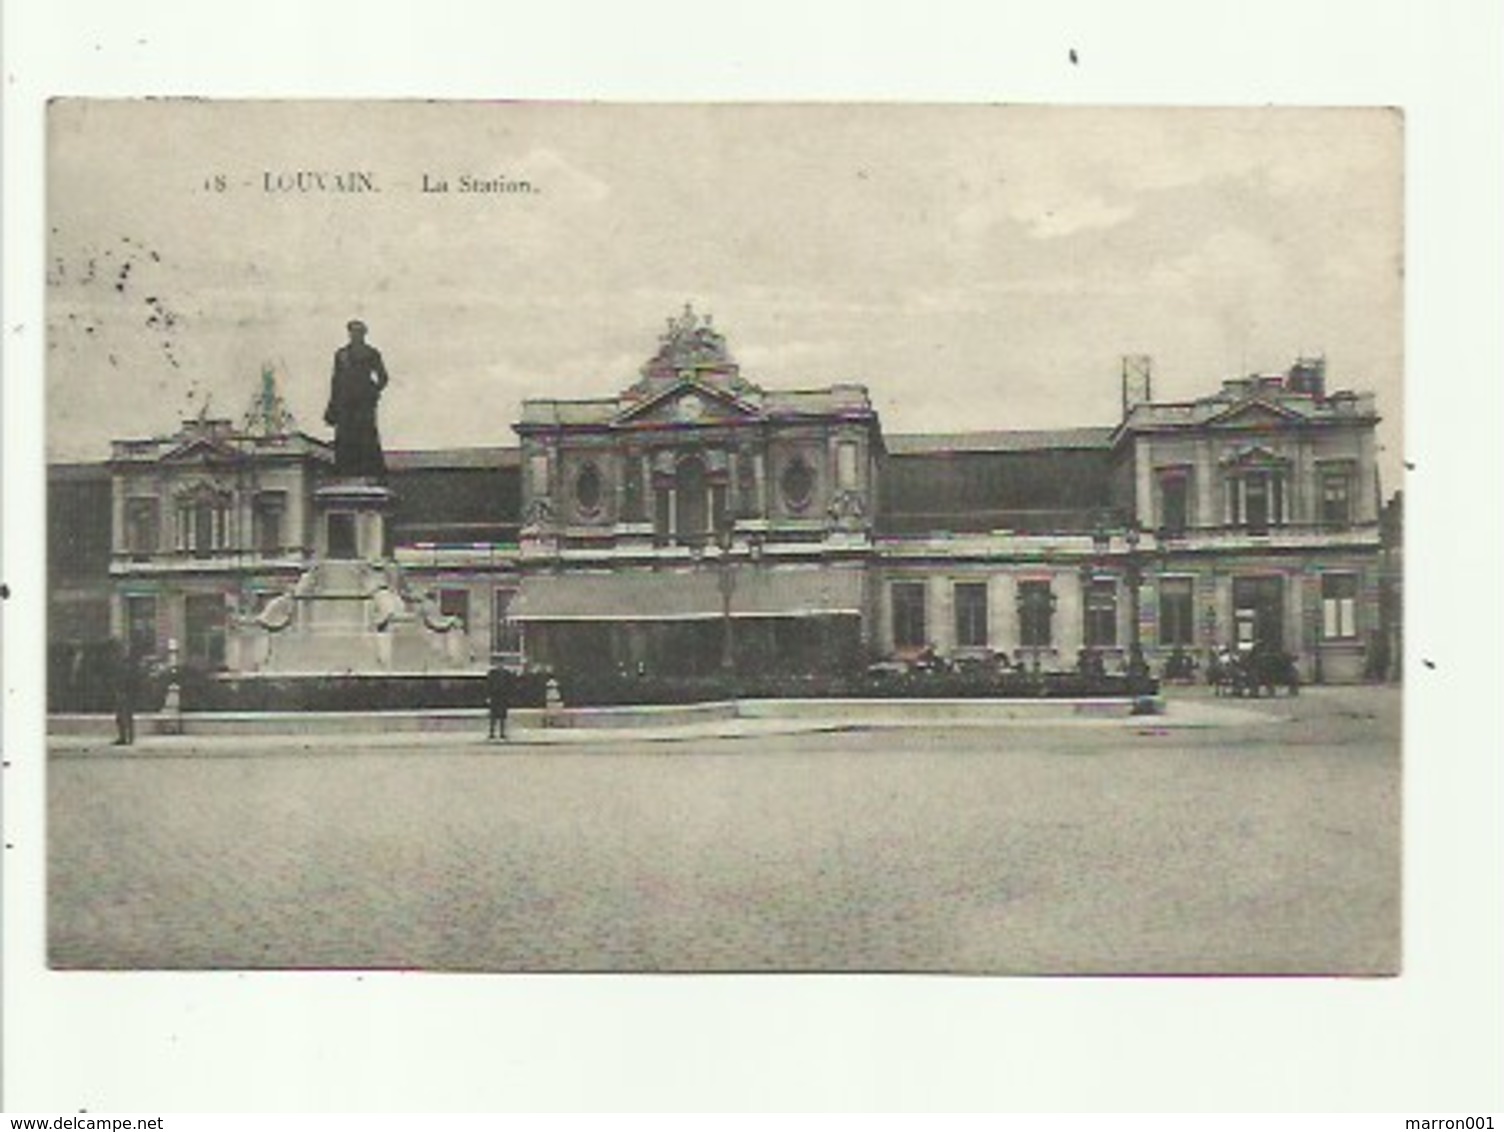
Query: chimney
[1308, 376]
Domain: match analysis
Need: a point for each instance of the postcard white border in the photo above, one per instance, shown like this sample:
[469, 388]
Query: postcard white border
[416, 1042]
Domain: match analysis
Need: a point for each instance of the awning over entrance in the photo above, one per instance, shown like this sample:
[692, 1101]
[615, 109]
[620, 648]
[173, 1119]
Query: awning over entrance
[689, 594]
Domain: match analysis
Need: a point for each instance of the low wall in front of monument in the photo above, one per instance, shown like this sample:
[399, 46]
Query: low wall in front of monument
[415, 691]
[350, 692]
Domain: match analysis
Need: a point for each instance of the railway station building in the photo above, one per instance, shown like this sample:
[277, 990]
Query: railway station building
[690, 518]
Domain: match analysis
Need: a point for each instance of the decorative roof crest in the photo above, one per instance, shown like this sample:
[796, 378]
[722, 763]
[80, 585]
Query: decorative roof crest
[269, 414]
[689, 342]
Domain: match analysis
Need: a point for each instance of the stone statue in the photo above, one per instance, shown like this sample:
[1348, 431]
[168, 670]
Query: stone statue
[354, 390]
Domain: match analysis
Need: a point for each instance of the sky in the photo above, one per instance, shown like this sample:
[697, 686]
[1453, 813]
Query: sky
[976, 267]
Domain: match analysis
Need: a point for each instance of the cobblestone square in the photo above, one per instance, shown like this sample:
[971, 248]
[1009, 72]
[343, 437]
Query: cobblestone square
[1083, 847]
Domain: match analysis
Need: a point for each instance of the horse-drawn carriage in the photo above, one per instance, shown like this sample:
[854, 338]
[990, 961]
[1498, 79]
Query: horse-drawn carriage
[1252, 672]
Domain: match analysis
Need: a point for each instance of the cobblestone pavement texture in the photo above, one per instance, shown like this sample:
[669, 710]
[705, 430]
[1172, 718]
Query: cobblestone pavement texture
[1119, 847]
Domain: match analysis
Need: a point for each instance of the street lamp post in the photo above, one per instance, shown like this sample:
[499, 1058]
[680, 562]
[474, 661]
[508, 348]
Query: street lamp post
[726, 580]
[1138, 667]
[1209, 631]
[725, 532]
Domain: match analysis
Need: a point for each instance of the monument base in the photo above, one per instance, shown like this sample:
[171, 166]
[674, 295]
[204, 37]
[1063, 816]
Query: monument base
[350, 613]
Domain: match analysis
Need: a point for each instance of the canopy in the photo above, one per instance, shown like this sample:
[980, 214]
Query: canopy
[684, 594]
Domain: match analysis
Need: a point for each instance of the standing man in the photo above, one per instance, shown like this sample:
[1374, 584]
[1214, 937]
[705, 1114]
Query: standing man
[498, 699]
[125, 694]
[354, 391]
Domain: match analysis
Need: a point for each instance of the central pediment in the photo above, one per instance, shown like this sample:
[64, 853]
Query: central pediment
[1255, 414]
[202, 450]
[688, 402]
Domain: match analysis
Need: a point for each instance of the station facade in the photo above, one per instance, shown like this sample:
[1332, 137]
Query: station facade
[694, 520]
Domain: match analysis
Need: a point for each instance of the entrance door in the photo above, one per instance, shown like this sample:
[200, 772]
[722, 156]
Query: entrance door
[692, 517]
[1258, 607]
[205, 629]
[141, 624]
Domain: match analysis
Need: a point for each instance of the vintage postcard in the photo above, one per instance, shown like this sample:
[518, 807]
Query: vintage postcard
[568, 537]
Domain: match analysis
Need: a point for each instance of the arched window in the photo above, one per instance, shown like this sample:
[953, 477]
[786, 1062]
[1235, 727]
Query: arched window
[691, 500]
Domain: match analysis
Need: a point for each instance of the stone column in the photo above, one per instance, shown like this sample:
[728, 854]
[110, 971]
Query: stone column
[941, 619]
[1204, 510]
[1070, 610]
[1002, 613]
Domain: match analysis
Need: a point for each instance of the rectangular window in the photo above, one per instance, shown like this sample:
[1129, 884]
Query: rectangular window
[142, 524]
[1336, 499]
[746, 485]
[270, 507]
[1256, 503]
[1036, 610]
[1176, 618]
[203, 526]
[205, 625]
[1173, 498]
[909, 628]
[506, 633]
[1101, 628]
[141, 624]
[663, 515]
[631, 491]
[718, 514]
[1339, 606]
[455, 602]
[203, 529]
[971, 614]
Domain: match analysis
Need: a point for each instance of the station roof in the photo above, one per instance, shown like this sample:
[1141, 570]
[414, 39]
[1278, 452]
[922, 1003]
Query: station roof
[1012, 440]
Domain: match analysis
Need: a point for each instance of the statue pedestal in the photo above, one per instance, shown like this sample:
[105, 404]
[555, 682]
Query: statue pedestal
[351, 521]
[351, 612]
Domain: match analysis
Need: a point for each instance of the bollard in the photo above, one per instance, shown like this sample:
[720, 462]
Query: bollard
[170, 722]
[553, 704]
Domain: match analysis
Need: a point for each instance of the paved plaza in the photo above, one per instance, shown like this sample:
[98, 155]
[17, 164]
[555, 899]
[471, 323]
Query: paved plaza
[1269, 844]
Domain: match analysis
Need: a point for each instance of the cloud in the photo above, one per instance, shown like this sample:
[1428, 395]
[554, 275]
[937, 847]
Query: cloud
[1071, 217]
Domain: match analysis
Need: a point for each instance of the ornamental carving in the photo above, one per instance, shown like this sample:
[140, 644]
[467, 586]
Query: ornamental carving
[797, 484]
[539, 512]
[689, 342]
[848, 507]
[588, 490]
